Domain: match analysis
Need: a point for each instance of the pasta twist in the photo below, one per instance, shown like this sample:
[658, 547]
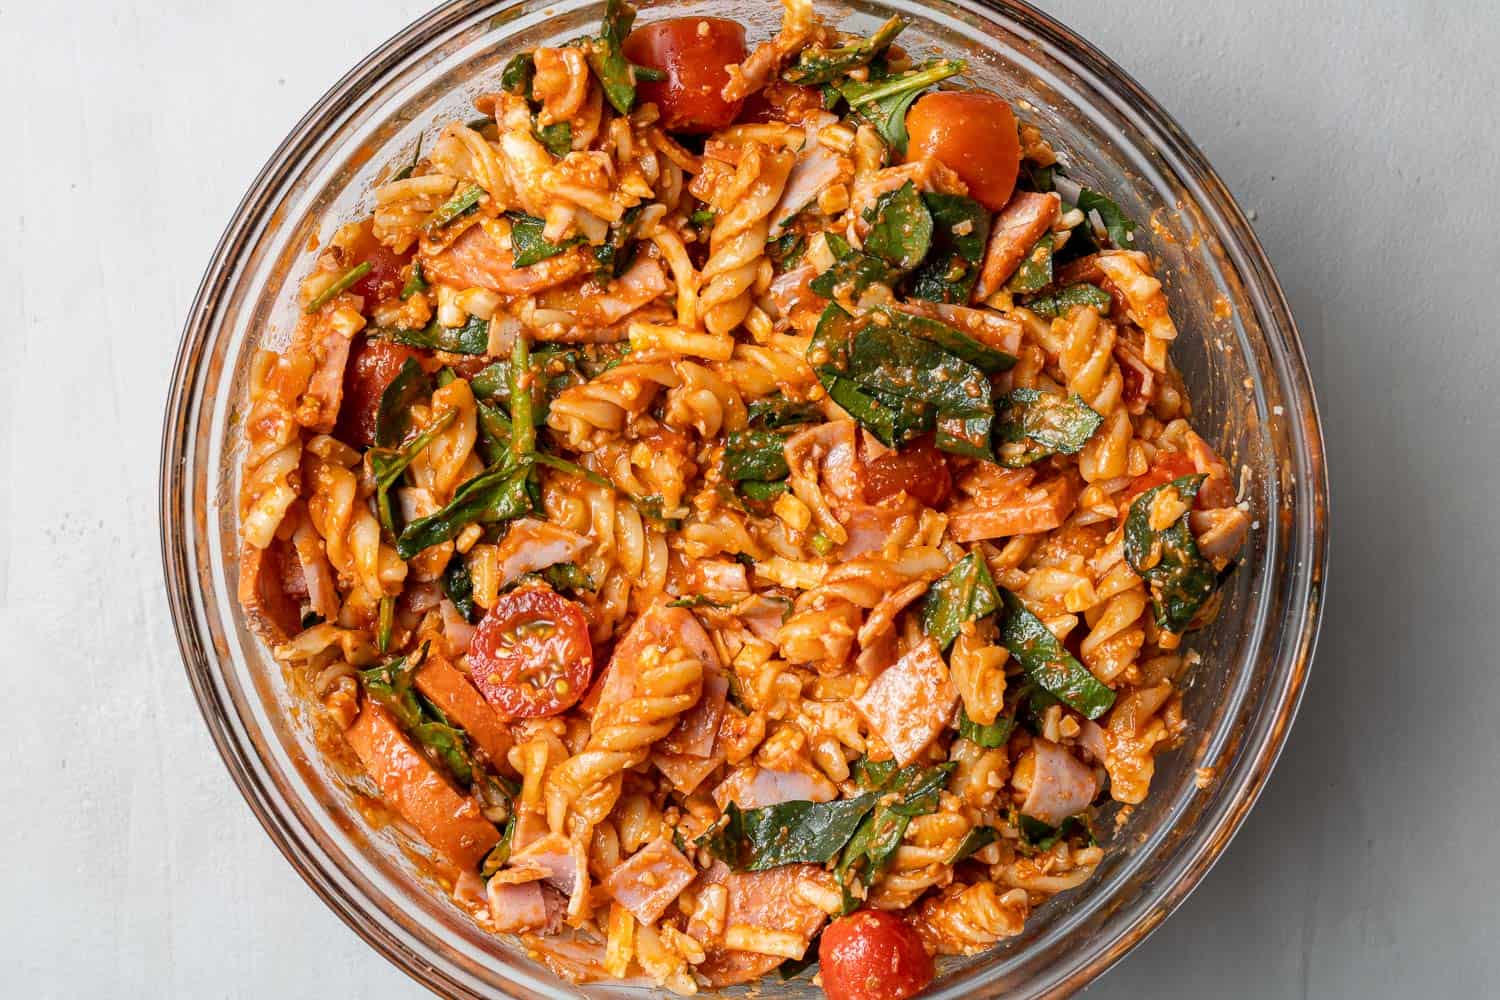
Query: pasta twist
[338, 507]
[967, 919]
[737, 244]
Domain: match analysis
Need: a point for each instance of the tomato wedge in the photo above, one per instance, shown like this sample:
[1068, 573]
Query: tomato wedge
[873, 955]
[974, 134]
[383, 281]
[531, 656]
[372, 365]
[693, 52]
[919, 469]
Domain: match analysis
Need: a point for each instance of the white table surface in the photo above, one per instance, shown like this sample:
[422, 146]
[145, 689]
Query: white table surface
[1361, 138]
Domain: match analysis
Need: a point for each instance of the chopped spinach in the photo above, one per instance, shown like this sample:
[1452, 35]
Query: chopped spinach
[454, 208]
[1033, 424]
[1180, 579]
[415, 282]
[471, 338]
[965, 593]
[755, 455]
[390, 464]
[458, 584]
[852, 271]
[992, 736]
[1037, 837]
[696, 601]
[976, 838]
[778, 411]
[901, 796]
[606, 56]
[500, 853]
[1035, 272]
[884, 103]
[1046, 661]
[785, 250]
[787, 833]
[1117, 224]
[1058, 303]
[557, 138]
[391, 685]
[816, 66]
[497, 494]
[393, 413]
[528, 245]
[567, 576]
[518, 75]
[960, 230]
[900, 228]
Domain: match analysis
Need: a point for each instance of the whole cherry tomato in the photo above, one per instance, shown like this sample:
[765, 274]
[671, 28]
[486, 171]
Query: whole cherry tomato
[873, 955]
[974, 134]
[918, 468]
[371, 367]
[531, 655]
[384, 280]
[694, 53]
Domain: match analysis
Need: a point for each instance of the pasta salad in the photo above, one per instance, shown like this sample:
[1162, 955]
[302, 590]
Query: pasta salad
[735, 507]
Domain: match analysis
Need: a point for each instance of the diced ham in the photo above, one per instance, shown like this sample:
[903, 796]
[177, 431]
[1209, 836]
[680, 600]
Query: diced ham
[531, 545]
[791, 295]
[762, 615]
[695, 732]
[517, 908]
[1061, 784]
[719, 576]
[450, 690]
[272, 614]
[475, 260]
[1031, 511]
[909, 704]
[650, 880]
[817, 168]
[757, 787]
[450, 822]
[658, 627]
[1091, 738]
[318, 410]
[1218, 489]
[317, 574]
[767, 900]
[869, 527]
[685, 771]
[643, 282]
[1023, 221]
[552, 859]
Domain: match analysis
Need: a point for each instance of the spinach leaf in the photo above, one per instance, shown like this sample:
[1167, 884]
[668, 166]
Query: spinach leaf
[960, 230]
[1033, 424]
[606, 56]
[755, 455]
[1059, 302]
[1117, 224]
[389, 465]
[458, 584]
[873, 775]
[1037, 836]
[957, 343]
[1035, 272]
[900, 228]
[500, 853]
[815, 66]
[393, 414]
[696, 601]
[518, 75]
[567, 576]
[778, 411]
[390, 684]
[852, 271]
[908, 793]
[1046, 661]
[788, 833]
[415, 282]
[976, 838]
[528, 245]
[445, 743]
[1036, 178]
[884, 103]
[785, 250]
[755, 489]
[617, 251]
[454, 208]
[1181, 580]
[992, 736]
[471, 338]
[965, 593]
[497, 494]
[557, 138]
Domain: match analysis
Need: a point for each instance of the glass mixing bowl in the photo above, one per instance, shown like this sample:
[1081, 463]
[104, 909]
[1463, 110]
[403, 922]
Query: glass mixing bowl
[1238, 351]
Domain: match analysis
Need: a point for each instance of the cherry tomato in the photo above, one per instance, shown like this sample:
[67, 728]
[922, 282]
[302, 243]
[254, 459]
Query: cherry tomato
[779, 102]
[372, 365]
[531, 656]
[972, 133]
[1167, 466]
[919, 469]
[873, 955]
[693, 51]
[384, 279]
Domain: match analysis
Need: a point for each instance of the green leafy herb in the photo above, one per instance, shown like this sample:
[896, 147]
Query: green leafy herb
[900, 228]
[518, 75]
[471, 338]
[960, 230]
[1046, 661]
[446, 744]
[405, 172]
[1035, 272]
[1036, 178]
[963, 594]
[618, 250]
[785, 250]
[703, 217]
[787, 833]
[955, 342]
[976, 838]
[1180, 579]
[696, 601]
[1117, 224]
[903, 795]
[459, 586]
[393, 414]
[852, 271]
[778, 411]
[1059, 302]
[1034, 424]
[567, 576]
[528, 245]
[754, 489]
[459, 205]
[415, 282]
[391, 685]
[1039, 836]
[390, 464]
[815, 66]
[500, 853]
[992, 736]
[755, 455]
[385, 622]
[342, 285]
[557, 138]
[523, 427]
[606, 56]
[884, 103]
[495, 495]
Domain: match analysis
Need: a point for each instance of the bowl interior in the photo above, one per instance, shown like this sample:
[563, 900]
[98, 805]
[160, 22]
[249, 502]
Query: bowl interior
[1237, 350]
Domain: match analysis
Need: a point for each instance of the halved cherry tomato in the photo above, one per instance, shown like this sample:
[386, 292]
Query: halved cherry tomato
[873, 955]
[371, 367]
[531, 655]
[384, 279]
[918, 468]
[693, 51]
[974, 134]
[1167, 466]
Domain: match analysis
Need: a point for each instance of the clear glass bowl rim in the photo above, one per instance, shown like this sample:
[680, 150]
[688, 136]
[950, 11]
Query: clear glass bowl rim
[1195, 856]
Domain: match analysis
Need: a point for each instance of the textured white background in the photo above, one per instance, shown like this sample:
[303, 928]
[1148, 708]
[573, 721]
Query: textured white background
[1360, 136]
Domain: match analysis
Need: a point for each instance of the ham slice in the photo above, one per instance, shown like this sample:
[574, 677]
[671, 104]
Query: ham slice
[1061, 785]
[1023, 221]
[653, 877]
[475, 260]
[641, 284]
[450, 822]
[552, 859]
[685, 771]
[532, 545]
[757, 787]
[1039, 508]
[910, 703]
[516, 908]
[699, 726]
[766, 900]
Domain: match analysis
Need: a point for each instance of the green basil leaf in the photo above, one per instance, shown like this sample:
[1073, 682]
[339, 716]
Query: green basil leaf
[1061, 301]
[1180, 579]
[816, 66]
[788, 833]
[960, 230]
[900, 228]
[1032, 424]
[965, 593]
[1046, 661]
